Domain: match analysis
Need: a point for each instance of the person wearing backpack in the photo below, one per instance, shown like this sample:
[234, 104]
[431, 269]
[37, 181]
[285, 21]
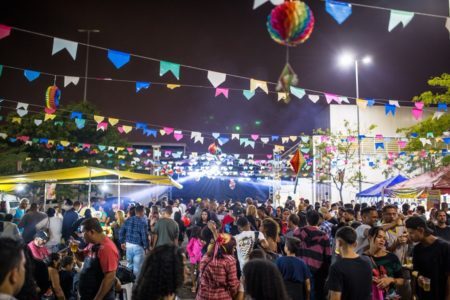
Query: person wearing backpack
[246, 241]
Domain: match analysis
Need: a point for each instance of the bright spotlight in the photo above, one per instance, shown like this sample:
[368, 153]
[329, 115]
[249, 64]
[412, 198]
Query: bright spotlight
[104, 187]
[367, 60]
[20, 187]
[346, 59]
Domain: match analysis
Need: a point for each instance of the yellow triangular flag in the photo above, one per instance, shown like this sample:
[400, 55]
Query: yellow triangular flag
[162, 132]
[50, 142]
[293, 138]
[64, 143]
[127, 128]
[173, 86]
[361, 103]
[254, 84]
[49, 117]
[113, 121]
[121, 156]
[118, 149]
[76, 149]
[282, 96]
[98, 119]
[16, 120]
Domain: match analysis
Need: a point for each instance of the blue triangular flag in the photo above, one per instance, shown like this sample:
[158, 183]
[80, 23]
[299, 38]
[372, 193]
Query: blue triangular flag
[370, 102]
[31, 75]
[340, 11]
[76, 115]
[379, 146]
[389, 108]
[59, 147]
[43, 141]
[119, 59]
[444, 152]
[142, 126]
[275, 137]
[248, 94]
[222, 140]
[414, 134]
[361, 136]
[142, 85]
[442, 107]
[446, 140]
[149, 132]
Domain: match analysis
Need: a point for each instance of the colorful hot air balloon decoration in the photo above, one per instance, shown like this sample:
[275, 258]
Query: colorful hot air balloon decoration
[52, 97]
[290, 24]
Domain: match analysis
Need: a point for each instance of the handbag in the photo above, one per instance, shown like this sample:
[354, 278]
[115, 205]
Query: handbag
[125, 275]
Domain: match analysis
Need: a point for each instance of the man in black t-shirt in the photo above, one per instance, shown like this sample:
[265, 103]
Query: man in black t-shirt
[350, 278]
[431, 259]
[442, 230]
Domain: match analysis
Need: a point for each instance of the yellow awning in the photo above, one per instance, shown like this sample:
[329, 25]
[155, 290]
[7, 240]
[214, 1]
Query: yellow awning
[7, 183]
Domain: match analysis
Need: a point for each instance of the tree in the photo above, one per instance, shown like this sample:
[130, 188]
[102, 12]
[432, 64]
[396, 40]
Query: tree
[427, 156]
[336, 157]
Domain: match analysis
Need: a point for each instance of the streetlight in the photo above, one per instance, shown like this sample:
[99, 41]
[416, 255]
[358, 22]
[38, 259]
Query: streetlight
[88, 31]
[346, 60]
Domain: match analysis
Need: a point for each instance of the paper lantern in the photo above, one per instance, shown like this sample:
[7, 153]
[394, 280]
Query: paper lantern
[52, 96]
[290, 23]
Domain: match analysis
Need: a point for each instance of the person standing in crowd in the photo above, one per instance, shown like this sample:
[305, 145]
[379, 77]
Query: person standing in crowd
[246, 241]
[53, 224]
[70, 217]
[194, 250]
[386, 267]
[442, 230]
[396, 234]
[421, 212]
[431, 259]
[134, 239]
[351, 276]
[53, 265]
[271, 231]
[12, 268]
[181, 227]
[263, 281]
[21, 210]
[369, 218]
[29, 222]
[293, 222]
[251, 216]
[101, 259]
[37, 246]
[162, 274]
[316, 252]
[324, 224]
[218, 275]
[66, 277]
[204, 218]
[119, 217]
[8, 229]
[295, 272]
[166, 230]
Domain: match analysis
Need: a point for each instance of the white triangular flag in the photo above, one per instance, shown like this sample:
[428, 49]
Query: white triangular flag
[394, 102]
[447, 24]
[216, 78]
[343, 99]
[314, 98]
[438, 114]
[399, 16]
[71, 47]
[71, 79]
[22, 105]
[235, 136]
[258, 3]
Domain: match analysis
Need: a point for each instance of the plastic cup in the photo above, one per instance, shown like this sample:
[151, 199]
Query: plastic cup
[426, 284]
[73, 247]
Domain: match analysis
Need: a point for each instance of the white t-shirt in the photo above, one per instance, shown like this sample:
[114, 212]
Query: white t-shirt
[245, 242]
[361, 239]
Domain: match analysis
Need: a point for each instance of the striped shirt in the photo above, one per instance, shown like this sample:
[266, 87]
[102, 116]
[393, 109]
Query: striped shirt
[315, 247]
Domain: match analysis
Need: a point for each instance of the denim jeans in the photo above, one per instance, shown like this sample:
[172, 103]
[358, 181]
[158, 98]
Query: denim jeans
[135, 257]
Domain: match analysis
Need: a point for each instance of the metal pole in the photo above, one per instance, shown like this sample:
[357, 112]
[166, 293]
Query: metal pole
[359, 130]
[89, 188]
[45, 195]
[86, 68]
[118, 192]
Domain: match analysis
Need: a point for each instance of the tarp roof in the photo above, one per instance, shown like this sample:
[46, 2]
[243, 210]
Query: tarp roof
[377, 190]
[7, 183]
[437, 179]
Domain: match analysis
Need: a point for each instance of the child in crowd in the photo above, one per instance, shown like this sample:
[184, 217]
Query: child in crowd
[194, 250]
[66, 277]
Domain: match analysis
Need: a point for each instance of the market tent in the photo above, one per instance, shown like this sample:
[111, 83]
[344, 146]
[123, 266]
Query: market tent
[437, 179]
[379, 189]
[8, 183]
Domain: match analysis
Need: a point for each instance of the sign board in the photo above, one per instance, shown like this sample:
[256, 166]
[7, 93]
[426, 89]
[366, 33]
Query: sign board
[434, 199]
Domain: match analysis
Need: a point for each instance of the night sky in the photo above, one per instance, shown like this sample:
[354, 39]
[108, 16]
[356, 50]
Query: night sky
[225, 36]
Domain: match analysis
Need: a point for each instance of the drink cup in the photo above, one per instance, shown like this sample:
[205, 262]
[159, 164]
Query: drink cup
[426, 284]
[409, 260]
[73, 247]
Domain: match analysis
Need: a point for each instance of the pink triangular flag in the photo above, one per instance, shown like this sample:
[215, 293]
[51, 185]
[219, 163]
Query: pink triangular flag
[331, 97]
[254, 136]
[120, 129]
[4, 31]
[417, 113]
[168, 130]
[222, 91]
[269, 156]
[419, 105]
[178, 135]
[401, 144]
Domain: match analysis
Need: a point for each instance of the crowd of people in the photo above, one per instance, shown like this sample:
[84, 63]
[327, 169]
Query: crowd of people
[225, 250]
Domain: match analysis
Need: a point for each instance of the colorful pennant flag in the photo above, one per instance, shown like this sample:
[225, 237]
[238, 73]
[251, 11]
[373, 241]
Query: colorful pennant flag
[399, 16]
[248, 94]
[119, 59]
[142, 85]
[314, 98]
[297, 92]
[59, 44]
[340, 11]
[4, 31]
[31, 75]
[254, 84]
[216, 78]
[166, 66]
[222, 91]
[389, 108]
[71, 79]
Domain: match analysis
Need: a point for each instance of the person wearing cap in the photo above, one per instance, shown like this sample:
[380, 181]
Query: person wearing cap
[431, 259]
[37, 246]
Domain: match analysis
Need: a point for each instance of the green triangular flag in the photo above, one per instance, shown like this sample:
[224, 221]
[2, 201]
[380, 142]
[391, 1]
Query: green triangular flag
[165, 66]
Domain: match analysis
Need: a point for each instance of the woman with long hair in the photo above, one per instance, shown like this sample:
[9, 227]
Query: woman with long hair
[251, 216]
[217, 272]
[205, 217]
[53, 264]
[386, 267]
[115, 226]
[263, 281]
[295, 271]
[162, 274]
[181, 227]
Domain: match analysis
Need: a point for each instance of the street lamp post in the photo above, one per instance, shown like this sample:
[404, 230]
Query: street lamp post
[88, 31]
[345, 60]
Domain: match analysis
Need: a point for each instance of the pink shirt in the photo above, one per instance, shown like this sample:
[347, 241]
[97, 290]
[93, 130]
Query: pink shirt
[194, 249]
[38, 253]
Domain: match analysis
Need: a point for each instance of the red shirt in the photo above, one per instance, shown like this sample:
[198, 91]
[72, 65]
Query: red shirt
[108, 255]
[38, 253]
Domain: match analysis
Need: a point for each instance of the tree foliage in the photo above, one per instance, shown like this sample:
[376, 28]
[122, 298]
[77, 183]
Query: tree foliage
[442, 86]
